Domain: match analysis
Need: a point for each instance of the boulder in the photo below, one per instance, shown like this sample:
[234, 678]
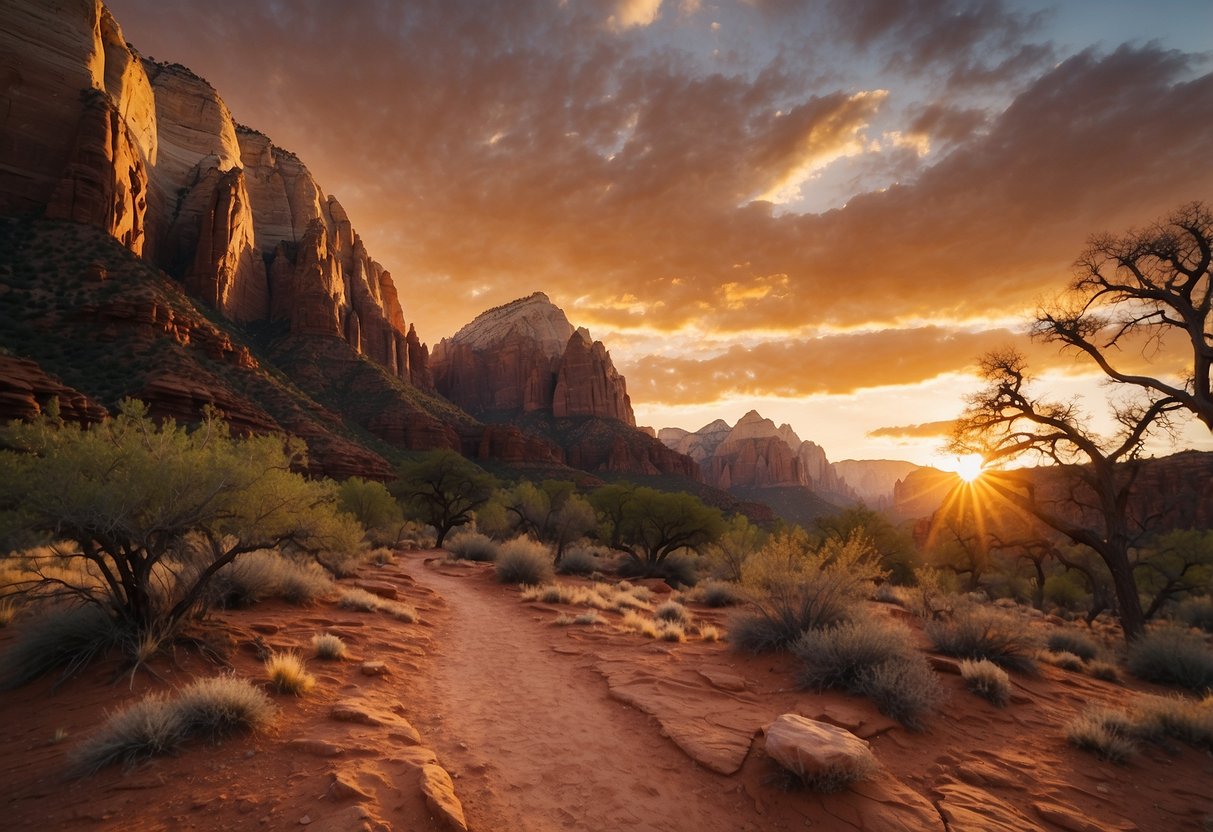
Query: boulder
[813, 750]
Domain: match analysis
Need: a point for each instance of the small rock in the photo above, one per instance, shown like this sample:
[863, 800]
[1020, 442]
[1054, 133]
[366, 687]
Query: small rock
[439, 793]
[353, 712]
[813, 749]
[374, 668]
[316, 747]
[343, 788]
[723, 681]
[305, 820]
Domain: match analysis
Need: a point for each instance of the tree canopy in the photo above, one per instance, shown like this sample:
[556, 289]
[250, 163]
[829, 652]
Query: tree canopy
[442, 488]
[650, 525]
[127, 492]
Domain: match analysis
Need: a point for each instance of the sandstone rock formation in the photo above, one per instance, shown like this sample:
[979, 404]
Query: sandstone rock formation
[149, 153]
[525, 357]
[756, 453]
[26, 391]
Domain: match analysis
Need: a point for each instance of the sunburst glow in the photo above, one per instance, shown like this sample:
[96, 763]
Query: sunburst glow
[968, 467]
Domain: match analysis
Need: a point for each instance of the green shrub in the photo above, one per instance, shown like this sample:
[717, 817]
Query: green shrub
[976, 632]
[1196, 611]
[675, 570]
[67, 637]
[472, 546]
[719, 594]
[288, 675]
[1073, 641]
[523, 561]
[580, 560]
[870, 658]
[987, 680]
[1174, 657]
[157, 724]
[1103, 731]
[328, 646]
[796, 587]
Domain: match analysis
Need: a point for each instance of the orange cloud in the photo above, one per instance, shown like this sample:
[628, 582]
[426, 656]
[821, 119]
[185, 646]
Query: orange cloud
[925, 430]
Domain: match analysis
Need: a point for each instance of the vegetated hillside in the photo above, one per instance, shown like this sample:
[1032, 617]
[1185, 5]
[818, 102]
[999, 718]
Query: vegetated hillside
[106, 323]
[796, 504]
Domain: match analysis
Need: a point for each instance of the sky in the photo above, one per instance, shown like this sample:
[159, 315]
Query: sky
[825, 211]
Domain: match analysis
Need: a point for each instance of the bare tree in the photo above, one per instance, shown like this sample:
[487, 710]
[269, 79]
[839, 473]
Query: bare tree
[1088, 500]
[1152, 284]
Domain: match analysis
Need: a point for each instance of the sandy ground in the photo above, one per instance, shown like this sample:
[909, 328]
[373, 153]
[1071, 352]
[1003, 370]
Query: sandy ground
[545, 727]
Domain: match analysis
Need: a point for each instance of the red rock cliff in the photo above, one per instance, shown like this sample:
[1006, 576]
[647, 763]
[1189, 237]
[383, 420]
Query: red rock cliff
[149, 153]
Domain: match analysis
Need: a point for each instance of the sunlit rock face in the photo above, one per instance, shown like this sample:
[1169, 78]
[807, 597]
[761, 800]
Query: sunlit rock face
[149, 153]
[755, 452]
[525, 357]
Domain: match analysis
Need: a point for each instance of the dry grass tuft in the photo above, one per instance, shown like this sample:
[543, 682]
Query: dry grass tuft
[288, 675]
[1064, 660]
[329, 647]
[1074, 642]
[359, 600]
[157, 724]
[1106, 671]
[523, 561]
[673, 612]
[709, 633]
[671, 631]
[1105, 732]
[636, 622]
[976, 632]
[1172, 656]
[987, 680]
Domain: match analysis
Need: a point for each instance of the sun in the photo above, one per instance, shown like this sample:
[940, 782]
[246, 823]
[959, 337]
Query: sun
[968, 466]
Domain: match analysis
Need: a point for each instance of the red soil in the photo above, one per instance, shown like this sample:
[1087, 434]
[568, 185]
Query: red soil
[544, 727]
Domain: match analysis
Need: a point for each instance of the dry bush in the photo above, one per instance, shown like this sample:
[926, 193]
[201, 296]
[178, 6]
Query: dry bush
[1175, 717]
[343, 564]
[157, 724]
[1064, 660]
[263, 574]
[523, 561]
[588, 618]
[381, 556]
[328, 646]
[61, 637]
[871, 658]
[987, 680]
[472, 546]
[1174, 657]
[1106, 671]
[827, 780]
[672, 611]
[888, 593]
[288, 675]
[709, 633]
[977, 632]
[671, 631]
[1072, 641]
[1103, 731]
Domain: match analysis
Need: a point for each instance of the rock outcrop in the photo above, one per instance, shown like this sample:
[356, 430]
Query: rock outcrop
[818, 751]
[524, 364]
[149, 153]
[26, 392]
[754, 453]
[525, 357]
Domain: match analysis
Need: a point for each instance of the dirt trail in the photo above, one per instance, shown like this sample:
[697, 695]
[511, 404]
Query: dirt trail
[533, 738]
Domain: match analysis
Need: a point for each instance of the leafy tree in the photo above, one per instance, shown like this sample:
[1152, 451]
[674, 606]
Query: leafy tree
[740, 540]
[1174, 564]
[898, 554]
[369, 502]
[127, 492]
[650, 525]
[1089, 501]
[443, 489]
[1152, 285]
[551, 511]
